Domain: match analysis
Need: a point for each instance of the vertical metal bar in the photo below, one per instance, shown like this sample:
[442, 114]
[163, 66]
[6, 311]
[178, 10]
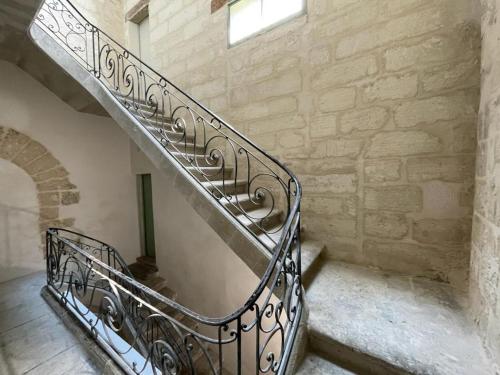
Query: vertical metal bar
[239, 345]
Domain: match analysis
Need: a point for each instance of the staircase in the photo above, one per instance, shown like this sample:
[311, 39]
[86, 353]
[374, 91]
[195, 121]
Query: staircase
[248, 197]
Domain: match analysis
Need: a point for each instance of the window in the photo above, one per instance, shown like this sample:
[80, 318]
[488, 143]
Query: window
[247, 17]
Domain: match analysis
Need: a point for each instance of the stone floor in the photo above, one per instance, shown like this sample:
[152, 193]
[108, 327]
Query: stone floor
[315, 365]
[376, 323]
[33, 340]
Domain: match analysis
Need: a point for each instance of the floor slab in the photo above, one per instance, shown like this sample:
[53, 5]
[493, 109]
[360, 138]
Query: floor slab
[409, 324]
[33, 340]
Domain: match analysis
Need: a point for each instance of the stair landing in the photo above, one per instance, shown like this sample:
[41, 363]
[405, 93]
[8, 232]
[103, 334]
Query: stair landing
[375, 323]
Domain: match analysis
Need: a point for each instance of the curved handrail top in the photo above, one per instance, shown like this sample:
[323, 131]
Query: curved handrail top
[292, 215]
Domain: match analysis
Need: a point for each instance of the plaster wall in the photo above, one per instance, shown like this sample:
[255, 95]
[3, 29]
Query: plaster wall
[19, 213]
[206, 274]
[485, 257]
[372, 103]
[92, 149]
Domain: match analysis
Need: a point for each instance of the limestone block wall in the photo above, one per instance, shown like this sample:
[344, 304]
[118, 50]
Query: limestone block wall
[373, 103]
[106, 14]
[485, 262]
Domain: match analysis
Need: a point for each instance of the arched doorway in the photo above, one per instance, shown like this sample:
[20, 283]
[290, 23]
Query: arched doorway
[34, 188]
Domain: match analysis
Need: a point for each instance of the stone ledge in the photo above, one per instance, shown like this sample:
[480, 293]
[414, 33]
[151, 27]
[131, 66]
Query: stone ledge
[371, 322]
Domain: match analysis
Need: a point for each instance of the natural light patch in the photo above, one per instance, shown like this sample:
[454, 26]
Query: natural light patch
[247, 17]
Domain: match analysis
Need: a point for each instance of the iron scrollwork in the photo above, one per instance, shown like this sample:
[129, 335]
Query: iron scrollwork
[147, 331]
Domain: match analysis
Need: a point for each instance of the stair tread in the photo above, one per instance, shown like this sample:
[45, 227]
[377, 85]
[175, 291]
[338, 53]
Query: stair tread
[309, 251]
[394, 322]
[258, 214]
[314, 364]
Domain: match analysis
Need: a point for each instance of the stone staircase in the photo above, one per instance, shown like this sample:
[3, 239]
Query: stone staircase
[366, 321]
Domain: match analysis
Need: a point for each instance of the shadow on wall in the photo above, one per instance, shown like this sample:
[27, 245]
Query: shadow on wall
[20, 251]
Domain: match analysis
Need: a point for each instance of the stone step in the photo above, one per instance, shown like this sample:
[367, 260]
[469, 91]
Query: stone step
[371, 322]
[147, 260]
[241, 202]
[156, 283]
[311, 252]
[260, 218]
[316, 365]
[210, 173]
[226, 187]
[143, 271]
[199, 160]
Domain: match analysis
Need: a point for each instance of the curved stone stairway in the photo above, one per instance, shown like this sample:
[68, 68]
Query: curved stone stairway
[361, 321]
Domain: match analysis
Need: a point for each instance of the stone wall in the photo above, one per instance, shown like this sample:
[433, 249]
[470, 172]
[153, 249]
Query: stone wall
[372, 103]
[485, 262]
[105, 14]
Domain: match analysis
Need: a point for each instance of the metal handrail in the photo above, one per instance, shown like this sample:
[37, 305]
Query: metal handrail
[282, 278]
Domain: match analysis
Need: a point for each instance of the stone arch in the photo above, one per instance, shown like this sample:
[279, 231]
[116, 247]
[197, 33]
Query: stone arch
[54, 188]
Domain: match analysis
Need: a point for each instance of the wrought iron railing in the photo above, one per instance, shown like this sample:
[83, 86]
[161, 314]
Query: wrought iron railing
[250, 185]
[143, 330]
[148, 333]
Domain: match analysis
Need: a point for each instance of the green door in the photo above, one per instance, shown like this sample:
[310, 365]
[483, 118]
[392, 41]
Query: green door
[147, 215]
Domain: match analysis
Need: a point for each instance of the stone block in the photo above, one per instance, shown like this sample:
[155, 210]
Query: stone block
[394, 198]
[330, 183]
[341, 73]
[44, 163]
[276, 124]
[441, 264]
[337, 100]
[432, 50]
[319, 56]
[448, 169]
[386, 225]
[391, 88]
[70, 197]
[287, 83]
[323, 126]
[442, 231]
[381, 171]
[432, 110]
[345, 206]
[49, 213]
[342, 147]
[403, 143]
[31, 152]
[55, 184]
[365, 119]
[58, 172]
[266, 108]
[291, 139]
[48, 199]
[13, 143]
[462, 75]
[408, 26]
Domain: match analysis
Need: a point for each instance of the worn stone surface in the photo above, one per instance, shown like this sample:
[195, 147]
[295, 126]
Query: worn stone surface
[391, 324]
[33, 338]
[315, 365]
[484, 286]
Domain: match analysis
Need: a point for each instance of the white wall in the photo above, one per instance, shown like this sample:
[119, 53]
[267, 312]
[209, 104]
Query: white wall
[207, 275]
[93, 149]
[19, 238]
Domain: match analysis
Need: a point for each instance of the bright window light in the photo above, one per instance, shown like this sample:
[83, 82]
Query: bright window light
[247, 17]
